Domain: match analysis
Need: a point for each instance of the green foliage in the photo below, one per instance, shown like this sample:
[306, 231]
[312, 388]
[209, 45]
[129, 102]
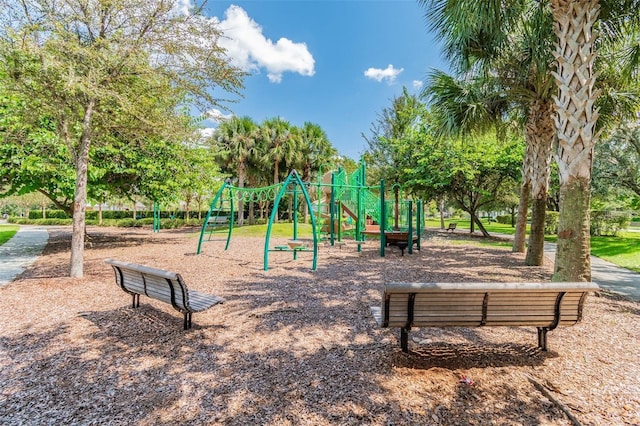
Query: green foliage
[504, 219]
[551, 222]
[50, 222]
[50, 214]
[605, 223]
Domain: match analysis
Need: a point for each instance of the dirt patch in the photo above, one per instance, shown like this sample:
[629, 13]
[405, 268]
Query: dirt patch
[295, 346]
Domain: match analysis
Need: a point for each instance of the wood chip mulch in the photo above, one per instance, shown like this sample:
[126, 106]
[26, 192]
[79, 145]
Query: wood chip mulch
[292, 346]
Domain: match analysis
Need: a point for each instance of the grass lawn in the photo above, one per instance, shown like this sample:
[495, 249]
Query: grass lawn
[6, 232]
[278, 230]
[623, 250]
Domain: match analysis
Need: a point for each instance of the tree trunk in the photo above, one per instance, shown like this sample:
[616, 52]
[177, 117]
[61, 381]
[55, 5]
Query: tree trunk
[441, 206]
[573, 261]
[541, 132]
[252, 218]
[475, 219]
[521, 223]
[241, 179]
[575, 122]
[535, 250]
[76, 267]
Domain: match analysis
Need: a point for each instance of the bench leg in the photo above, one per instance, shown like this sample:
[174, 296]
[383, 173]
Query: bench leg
[136, 301]
[404, 339]
[187, 320]
[542, 338]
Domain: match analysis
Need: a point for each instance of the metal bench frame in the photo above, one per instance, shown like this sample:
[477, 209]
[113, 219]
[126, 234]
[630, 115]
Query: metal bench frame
[154, 282]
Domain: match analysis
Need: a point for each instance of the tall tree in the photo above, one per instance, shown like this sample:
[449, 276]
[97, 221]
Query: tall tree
[393, 127]
[76, 60]
[508, 70]
[575, 106]
[281, 143]
[315, 149]
[235, 141]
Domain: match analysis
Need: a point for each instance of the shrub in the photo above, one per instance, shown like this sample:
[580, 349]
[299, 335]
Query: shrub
[504, 219]
[129, 223]
[51, 214]
[51, 222]
[606, 223]
[551, 222]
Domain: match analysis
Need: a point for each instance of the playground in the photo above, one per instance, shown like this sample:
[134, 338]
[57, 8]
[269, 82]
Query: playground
[344, 206]
[297, 346]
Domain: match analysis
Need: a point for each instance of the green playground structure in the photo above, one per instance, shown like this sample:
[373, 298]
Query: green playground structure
[344, 206]
[341, 195]
[227, 198]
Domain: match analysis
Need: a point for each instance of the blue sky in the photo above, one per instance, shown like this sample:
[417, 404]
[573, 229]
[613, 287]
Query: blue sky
[333, 63]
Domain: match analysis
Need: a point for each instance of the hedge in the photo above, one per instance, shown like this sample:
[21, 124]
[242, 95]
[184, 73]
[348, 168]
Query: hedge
[115, 214]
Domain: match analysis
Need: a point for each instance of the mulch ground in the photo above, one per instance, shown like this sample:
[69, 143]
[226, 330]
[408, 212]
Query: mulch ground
[296, 346]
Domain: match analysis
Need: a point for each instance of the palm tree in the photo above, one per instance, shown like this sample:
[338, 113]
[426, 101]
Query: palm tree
[315, 150]
[497, 80]
[235, 139]
[281, 143]
[467, 27]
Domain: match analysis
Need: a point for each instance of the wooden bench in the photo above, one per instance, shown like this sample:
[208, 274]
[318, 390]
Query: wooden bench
[452, 227]
[542, 305]
[165, 286]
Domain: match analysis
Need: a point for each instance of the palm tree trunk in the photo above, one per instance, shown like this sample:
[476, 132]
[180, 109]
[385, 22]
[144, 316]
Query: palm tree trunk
[520, 237]
[535, 249]
[241, 179]
[541, 132]
[575, 122]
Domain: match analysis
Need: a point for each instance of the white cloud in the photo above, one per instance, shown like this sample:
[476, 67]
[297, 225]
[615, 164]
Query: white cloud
[417, 84]
[183, 7]
[207, 132]
[217, 115]
[250, 50]
[389, 74]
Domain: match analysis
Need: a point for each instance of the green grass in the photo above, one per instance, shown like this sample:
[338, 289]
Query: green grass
[6, 232]
[278, 230]
[623, 250]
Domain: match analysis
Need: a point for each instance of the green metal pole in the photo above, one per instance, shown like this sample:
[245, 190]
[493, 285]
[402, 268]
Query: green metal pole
[272, 217]
[419, 221]
[410, 230]
[332, 208]
[340, 220]
[313, 223]
[319, 192]
[231, 195]
[295, 217]
[359, 220]
[206, 219]
[156, 224]
[383, 220]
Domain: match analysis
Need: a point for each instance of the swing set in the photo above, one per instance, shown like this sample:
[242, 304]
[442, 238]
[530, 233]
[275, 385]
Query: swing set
[225, 205]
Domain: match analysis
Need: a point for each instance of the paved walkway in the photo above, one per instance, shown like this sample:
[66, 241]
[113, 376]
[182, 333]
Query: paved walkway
[21, 251]
[607, 275]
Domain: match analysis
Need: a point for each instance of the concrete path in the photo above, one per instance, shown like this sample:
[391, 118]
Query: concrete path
[607, 275]
[21, 251]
